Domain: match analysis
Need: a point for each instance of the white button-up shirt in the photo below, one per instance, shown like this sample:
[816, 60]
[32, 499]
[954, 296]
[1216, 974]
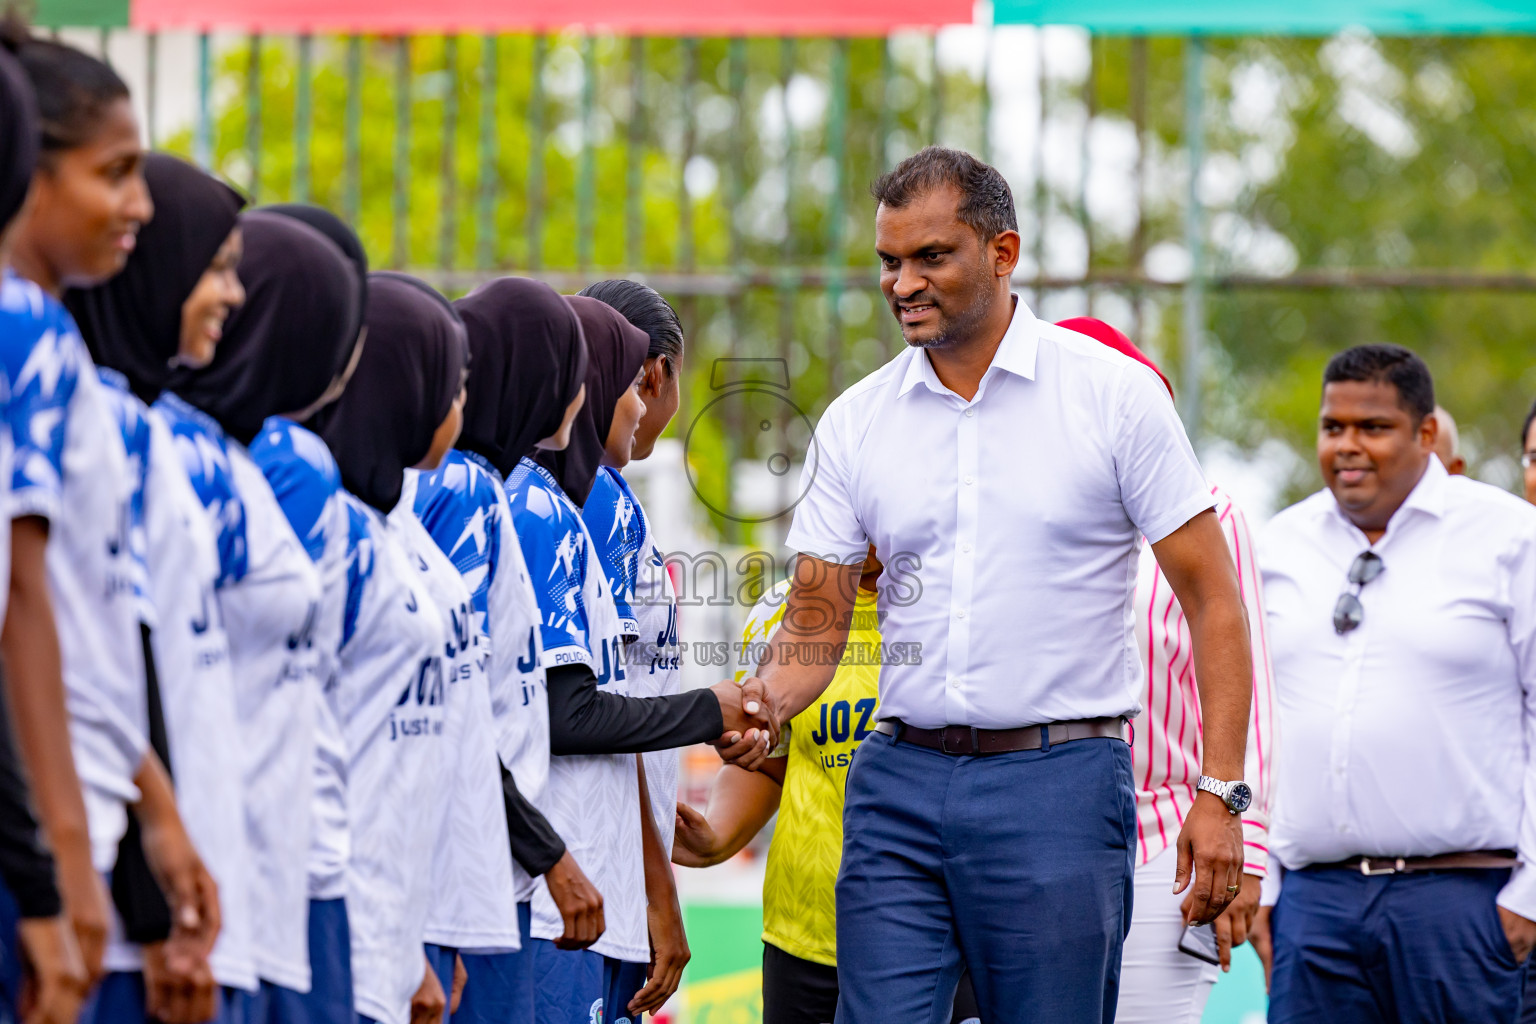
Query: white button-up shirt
[1412, 734]
[1009, 524]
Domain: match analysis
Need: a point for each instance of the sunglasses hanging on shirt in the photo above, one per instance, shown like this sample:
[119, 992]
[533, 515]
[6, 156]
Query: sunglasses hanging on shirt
[1348, 612]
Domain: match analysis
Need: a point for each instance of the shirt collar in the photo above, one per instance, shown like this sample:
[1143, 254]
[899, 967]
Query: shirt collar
[1015, 354]
[1427, 496]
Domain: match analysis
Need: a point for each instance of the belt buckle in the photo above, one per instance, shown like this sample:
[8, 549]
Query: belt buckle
[967, 733]
[1391, 869]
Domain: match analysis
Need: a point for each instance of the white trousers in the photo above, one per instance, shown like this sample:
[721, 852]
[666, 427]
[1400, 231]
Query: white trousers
[1158, 984]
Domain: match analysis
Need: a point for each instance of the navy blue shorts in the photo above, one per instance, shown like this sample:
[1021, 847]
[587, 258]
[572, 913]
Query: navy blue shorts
[582, 987]
[441, 958]
[10, 956]
[500, 988]
[329, 1000]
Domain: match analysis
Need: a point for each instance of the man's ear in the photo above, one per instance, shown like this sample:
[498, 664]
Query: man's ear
[1005, 253]
[1429, 432]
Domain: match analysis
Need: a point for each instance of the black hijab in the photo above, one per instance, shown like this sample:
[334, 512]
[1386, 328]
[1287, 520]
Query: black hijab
[345, 239]
[282, 349]
[132, 322]
[530, 359]
[616, 350]
[19, 135]
[408, 375]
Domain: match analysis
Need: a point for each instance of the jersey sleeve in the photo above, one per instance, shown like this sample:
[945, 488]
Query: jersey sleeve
[762, 623]
[554, 547]
[617, 527]
[43, 358]
[206, 461]
[132, 531]
[304, 478]
[519, 695]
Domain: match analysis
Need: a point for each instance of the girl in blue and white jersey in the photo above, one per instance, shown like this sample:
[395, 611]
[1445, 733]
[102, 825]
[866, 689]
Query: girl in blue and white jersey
[631, 556]
[169, 306]
[307, 483]
[281, 352]
[73, 507]
[497, 842]
[595, 796]
[409, 644]
[35, 937]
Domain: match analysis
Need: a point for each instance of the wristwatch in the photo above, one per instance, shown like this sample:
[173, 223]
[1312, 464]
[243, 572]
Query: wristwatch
[1236, 795]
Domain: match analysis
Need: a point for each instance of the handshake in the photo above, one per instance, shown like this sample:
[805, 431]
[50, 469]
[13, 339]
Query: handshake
[751, 719]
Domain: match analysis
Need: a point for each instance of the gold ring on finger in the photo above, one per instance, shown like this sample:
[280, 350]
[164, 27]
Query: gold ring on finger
[1233, 888]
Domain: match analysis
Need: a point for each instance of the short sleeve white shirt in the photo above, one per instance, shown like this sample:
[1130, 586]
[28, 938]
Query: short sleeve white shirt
[1008, 524]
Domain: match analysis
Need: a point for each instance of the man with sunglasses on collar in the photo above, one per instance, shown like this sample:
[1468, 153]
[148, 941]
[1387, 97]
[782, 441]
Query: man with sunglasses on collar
[1402, 612]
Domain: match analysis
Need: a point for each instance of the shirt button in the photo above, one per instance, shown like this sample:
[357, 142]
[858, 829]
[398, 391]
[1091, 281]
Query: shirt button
[966, 548]
[960, 614]
[953, 682]
[969, 479]
[970, 412]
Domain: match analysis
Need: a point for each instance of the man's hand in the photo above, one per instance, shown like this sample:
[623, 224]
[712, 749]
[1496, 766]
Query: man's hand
[1260, 938]
[85, 904]
[429, 1004]
[581, 905]
[748, 746]
[669, 955]
[1521, 933]
[460, 979]
[179, 987]
[742, 708]
[1234, 927]
[1210, 843]
[55, 982]
[694, 841]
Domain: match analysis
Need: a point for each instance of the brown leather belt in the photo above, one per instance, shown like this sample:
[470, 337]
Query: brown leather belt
[963, 741]
[1475, 859]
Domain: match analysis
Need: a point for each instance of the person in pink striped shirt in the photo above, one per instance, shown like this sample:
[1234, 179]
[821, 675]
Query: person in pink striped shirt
[1159, 984]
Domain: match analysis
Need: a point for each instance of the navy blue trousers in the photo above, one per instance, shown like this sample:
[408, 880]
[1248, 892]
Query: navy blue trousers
[1018, 865]
[1422, 948]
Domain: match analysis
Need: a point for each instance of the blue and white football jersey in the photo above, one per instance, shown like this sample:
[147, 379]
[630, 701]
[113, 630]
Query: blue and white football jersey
[410, 634]
[307, 484]
[633, 561]
[173, 540]
[592, 800]
[269, 593]
[474, 905]
[69, 456]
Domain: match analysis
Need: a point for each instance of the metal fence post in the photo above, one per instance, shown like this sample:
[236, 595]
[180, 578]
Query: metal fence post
[1194, 238]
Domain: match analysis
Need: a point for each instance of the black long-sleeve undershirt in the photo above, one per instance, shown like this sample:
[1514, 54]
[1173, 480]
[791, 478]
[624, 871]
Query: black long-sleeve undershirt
[140, 903]
[584, 719]
[536, 846]
[26, 863]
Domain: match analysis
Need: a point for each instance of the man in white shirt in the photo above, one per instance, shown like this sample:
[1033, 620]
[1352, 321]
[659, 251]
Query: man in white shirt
[1402, 611]
[1014, 465]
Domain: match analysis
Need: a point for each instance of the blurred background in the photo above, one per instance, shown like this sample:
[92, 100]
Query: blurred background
[1244, 189]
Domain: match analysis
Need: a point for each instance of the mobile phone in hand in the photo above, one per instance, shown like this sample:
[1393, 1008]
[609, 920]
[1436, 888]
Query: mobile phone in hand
[1199, 941]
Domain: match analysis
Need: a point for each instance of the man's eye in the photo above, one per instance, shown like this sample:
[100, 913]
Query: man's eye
[933, 257]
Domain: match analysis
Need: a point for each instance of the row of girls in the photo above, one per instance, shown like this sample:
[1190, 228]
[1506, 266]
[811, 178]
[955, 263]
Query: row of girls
[341, 665]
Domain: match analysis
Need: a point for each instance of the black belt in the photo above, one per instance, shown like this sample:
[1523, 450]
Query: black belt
[964, 741]
[1477, 860]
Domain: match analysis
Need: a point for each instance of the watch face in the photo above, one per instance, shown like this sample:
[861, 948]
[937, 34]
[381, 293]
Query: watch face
[1239, 798]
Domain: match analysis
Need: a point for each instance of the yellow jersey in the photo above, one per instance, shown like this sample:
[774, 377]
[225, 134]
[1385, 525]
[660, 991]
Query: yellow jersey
[799, 905]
